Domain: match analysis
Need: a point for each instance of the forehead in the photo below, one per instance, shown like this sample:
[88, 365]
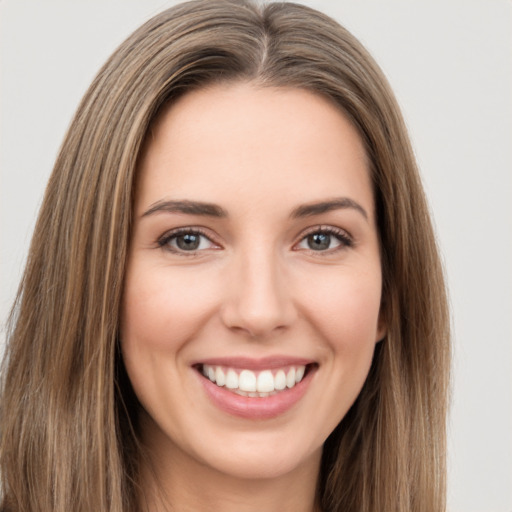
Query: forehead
[242, 139]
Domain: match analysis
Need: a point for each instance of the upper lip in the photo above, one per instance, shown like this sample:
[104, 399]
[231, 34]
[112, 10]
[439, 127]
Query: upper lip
[249, 363]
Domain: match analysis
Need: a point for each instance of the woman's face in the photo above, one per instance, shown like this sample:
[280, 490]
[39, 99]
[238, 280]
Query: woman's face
[253, 287]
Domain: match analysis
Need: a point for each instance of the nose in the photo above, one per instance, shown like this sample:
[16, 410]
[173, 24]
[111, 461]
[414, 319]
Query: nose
[258, 301]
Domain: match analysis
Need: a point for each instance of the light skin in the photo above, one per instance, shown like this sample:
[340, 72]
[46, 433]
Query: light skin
[254, 237]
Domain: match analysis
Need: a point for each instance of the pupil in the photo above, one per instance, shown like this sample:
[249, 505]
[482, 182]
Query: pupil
[319, 241]
[188, 242]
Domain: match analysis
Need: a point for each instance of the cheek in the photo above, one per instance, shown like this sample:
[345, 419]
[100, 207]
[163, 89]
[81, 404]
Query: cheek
[345, 308]
[342, 309]
[162, 308]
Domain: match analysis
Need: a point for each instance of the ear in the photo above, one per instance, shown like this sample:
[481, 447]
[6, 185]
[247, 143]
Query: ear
[382, 324]
[382, 329]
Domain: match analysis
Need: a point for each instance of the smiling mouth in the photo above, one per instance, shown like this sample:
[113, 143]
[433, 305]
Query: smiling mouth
[255, 384]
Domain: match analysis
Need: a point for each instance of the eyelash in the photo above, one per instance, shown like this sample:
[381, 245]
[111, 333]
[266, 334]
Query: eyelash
[345, 240]
[164, 241]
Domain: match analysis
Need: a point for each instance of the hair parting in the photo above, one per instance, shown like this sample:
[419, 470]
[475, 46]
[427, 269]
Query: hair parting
[69, 422]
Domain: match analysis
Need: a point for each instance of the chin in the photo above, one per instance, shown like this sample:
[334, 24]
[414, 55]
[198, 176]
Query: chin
[262, 463]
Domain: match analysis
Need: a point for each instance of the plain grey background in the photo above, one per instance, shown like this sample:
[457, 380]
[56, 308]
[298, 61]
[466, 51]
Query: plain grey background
[450, 64]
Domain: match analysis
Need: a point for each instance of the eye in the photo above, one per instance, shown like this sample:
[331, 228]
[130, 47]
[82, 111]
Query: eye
[186, 240]
[325, 239]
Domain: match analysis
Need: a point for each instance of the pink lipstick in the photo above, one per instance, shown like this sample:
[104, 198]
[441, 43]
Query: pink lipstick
[255, 389]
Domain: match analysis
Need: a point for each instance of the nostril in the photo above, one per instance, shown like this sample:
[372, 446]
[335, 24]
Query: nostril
[257, 324]
[257, 303]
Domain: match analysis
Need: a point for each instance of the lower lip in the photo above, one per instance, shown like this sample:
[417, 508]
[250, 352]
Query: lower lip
[256, 408]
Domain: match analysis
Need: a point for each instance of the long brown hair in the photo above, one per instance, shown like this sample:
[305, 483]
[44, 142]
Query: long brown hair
[68, 415]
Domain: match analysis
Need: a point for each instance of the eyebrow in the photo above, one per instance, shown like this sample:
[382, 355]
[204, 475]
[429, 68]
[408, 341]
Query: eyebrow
[186, 207]
[339, 203]
[213, 210]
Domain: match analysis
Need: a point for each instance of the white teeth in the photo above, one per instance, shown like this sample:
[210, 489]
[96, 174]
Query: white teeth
[254, 384]
[247, 380]
[290, 378]
[253, 394]
[231, 379]
[220, 377]
[265, 382]
[280, 380]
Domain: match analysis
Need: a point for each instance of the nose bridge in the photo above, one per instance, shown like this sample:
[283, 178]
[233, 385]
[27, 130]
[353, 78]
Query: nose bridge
[258, 301]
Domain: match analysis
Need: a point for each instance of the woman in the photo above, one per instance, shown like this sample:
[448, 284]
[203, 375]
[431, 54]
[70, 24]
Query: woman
[233, 298]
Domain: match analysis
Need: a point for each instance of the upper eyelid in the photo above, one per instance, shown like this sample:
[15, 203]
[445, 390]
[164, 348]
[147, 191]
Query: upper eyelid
[345, 238]
[184, 230]
[325, 228]
[187, 229]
